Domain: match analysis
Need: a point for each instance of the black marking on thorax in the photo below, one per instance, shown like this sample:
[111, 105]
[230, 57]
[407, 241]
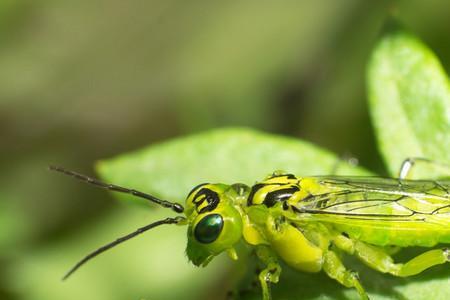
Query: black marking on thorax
[254, 190]
[280, 195]
[288, 176]
[205, 194]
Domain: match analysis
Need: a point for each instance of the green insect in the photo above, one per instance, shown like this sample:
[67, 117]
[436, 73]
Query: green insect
[308, 221]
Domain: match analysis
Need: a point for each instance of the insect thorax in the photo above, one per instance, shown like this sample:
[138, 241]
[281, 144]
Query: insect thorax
[283, 189]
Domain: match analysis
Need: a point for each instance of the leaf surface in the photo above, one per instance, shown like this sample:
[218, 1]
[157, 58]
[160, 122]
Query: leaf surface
[409, 99]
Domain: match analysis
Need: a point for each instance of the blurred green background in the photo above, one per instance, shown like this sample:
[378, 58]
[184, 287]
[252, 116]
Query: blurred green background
[86, 80]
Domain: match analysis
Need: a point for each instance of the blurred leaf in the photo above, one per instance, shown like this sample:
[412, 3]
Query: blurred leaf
[13, 225]
[147, 267]
[410, 102]
[172, 57]
[171, 169]
[7, 12]
[236, 61]
[152, 265]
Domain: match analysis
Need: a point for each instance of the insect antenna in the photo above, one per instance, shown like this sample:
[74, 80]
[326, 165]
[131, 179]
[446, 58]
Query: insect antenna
[112, 187]
[120, 240]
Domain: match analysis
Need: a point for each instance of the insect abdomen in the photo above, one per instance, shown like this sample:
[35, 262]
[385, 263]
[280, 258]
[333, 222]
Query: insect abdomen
[399, 233]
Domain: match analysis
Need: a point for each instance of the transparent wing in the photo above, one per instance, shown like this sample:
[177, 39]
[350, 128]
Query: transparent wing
[373, 198]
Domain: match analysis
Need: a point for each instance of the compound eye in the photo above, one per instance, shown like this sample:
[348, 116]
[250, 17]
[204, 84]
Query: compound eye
[209, 228]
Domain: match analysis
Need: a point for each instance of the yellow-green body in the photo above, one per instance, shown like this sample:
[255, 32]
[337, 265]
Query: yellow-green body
[374, 210]
[306, 221]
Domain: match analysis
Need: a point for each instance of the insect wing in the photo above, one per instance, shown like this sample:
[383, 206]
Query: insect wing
[372, 198]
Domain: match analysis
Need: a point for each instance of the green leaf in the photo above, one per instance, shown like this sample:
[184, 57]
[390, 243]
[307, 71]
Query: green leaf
[154, 266]
[171, 169]
[410, 102]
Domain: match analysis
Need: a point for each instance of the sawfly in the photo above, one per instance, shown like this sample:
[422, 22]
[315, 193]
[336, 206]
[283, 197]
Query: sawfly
[308, 221]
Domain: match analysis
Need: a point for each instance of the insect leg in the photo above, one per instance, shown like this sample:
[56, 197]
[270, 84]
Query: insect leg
[336, 270]
[423, 261]
[378, 259]
[407, 165]
[272, 271]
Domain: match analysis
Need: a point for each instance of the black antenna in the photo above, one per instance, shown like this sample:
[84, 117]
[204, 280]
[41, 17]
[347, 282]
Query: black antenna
[112, 187]
[120, 240]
